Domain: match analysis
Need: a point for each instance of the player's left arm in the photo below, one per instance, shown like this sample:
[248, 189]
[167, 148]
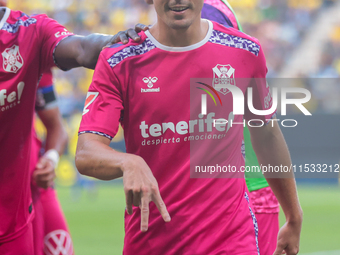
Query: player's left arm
[56, 140]
[75, 51]
[271, 149]
[47, 109]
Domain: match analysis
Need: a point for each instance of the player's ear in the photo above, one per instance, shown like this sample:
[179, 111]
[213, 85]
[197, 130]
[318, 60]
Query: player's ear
[149, 1]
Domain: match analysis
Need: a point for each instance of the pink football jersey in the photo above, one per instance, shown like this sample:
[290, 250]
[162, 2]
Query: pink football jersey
[27, 44]
[151, 89]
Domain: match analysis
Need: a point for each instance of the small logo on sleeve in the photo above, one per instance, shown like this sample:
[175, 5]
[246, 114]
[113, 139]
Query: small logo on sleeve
[150, 83]
[12, 60]
[59, 33]
[90, 97]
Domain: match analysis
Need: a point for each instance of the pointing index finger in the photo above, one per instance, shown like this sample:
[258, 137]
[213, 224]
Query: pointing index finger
[145, 213]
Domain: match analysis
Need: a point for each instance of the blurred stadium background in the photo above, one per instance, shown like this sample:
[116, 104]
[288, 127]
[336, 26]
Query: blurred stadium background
[301, 39]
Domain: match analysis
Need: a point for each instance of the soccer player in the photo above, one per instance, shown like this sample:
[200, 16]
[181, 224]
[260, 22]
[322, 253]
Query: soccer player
[30, 46]
[266, 206]
[146, 87]
[50, 229]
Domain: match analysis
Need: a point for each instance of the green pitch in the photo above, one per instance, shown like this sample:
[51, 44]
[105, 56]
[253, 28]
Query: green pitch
[96, 219]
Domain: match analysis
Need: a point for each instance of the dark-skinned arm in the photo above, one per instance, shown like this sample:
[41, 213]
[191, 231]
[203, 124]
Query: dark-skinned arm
[76, 51]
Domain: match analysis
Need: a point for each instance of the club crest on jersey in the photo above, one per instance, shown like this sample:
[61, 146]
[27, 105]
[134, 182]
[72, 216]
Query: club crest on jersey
[90, 97]
[223, 75]
[12, 60]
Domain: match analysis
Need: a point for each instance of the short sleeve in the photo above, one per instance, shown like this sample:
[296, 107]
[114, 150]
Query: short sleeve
[51, 34]
[104, 105]
[261, 96]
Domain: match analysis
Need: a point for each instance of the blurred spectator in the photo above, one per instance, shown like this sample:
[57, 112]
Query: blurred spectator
[278, 24]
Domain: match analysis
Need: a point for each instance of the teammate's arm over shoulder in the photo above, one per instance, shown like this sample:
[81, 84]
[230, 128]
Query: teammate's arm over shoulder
[66, 50]
[83, 51]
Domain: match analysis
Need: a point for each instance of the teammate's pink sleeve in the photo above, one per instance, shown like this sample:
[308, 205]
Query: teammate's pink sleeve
[52, 33]
[262, 99]
[104, 104]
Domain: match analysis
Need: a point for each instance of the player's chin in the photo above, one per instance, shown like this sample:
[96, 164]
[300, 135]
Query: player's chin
[180, 24]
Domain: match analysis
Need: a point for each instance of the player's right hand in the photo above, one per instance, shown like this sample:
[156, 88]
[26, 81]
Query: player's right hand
[288, 239]
[123, 36]
[141, 187]
[44, 174]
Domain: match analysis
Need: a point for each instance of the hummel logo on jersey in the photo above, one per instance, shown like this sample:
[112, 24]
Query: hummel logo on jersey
[90, 97]
[223, 75]
[12, 60]
[150, 82]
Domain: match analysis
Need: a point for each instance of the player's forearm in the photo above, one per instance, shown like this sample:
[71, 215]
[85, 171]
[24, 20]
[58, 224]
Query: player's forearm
[76, 51]
[91, 46]
[285, 191]
[96, 159]
[271, 150]
[56, 137]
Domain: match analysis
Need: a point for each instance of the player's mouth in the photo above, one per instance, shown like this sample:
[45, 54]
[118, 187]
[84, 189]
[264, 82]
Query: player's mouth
[179, 9]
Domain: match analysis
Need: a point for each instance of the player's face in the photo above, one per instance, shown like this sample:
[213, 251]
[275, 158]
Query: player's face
[178, 14]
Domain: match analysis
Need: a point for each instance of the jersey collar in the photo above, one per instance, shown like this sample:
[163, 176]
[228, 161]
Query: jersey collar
[5, 17]
[179, 49]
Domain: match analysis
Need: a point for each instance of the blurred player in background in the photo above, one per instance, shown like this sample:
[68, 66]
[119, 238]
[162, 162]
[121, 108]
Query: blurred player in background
[265, 204]
[50, 230]
[49, 224]
[209, 216]
[29, 47]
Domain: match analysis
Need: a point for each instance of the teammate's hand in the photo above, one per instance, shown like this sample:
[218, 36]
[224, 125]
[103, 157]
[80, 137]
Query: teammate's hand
[44, 174]
[288, 239]
[141, 187]
[123, 36]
